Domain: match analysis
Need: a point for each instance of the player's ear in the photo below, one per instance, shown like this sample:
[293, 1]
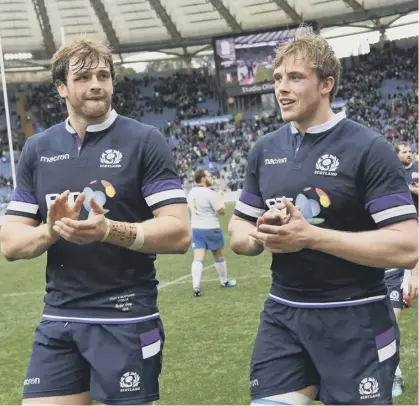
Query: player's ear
[327, 85]
[61, 89]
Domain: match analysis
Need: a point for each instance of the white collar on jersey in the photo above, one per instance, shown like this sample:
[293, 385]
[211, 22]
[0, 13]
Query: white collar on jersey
[325, 126]
[408, 166]
[96, 127]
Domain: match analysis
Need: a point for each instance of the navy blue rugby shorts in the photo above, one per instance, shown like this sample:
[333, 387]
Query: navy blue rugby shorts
[118, 364]
[394, 282]
[350, 353]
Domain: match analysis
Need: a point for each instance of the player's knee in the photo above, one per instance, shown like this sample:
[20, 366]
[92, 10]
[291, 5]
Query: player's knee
[199, 254]
[219, 255]
[290, 398]
[397, 313]
[77, 399]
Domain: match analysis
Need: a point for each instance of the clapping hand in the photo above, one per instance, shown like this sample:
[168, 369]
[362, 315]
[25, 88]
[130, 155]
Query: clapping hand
[283, 229]
[61, 208]
[82, 232]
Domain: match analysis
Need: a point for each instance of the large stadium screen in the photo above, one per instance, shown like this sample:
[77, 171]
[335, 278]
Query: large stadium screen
[244, 63]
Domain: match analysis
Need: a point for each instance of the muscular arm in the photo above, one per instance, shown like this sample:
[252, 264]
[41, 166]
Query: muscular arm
[391, 246]
[382, 182]
[24, 238]
[414, 190]
[168, 233]
[221, 204]
[21, 237]
[240, 241]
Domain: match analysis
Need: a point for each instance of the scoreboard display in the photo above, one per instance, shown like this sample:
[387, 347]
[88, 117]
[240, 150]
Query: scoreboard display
[244, 63]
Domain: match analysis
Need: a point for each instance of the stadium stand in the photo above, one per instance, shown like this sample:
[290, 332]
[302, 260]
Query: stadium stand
[379, 92]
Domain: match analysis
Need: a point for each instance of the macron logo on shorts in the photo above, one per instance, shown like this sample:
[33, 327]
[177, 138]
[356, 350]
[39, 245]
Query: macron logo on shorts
[55, 158]
[253, 383]
[275, 161]
[32, 381]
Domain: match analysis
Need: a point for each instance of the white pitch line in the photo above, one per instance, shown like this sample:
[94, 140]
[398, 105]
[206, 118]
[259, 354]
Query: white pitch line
[20, 294]
[182, 278]
[244, 278]
[162, 285]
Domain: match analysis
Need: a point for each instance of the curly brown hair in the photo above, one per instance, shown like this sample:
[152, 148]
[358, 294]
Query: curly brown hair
[87, 54]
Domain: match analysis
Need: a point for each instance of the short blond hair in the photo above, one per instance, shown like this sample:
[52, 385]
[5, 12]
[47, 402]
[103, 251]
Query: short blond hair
[318, 52]
[87, 53]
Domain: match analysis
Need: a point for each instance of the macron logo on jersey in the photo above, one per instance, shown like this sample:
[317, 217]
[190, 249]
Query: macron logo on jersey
[275, 161]
[55, 158]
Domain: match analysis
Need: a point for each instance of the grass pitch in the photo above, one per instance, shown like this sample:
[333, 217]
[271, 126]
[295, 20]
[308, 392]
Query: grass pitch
[208, 339]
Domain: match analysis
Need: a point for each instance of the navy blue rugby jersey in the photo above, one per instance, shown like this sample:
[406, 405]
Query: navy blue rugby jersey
[130, 169]
[412, 178]
[345, 177]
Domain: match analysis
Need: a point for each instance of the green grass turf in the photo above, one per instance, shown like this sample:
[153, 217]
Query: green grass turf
[208, 340]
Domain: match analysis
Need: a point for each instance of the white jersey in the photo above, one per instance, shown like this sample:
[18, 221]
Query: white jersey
[203, 204]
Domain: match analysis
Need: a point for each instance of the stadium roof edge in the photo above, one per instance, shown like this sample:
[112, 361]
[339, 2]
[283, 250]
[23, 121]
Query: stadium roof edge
[178, 27]
[349, 18]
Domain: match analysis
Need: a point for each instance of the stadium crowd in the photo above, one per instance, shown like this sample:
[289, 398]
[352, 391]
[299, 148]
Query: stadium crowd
[134, 97]
[223, 147]
[396, 115]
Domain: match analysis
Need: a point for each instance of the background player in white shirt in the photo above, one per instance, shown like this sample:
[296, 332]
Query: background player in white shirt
[205, 205]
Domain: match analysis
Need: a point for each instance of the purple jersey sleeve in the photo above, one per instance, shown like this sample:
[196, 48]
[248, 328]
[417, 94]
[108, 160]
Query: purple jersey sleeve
[161, 184]
[250, 205]
[387, 196]
[23, 202]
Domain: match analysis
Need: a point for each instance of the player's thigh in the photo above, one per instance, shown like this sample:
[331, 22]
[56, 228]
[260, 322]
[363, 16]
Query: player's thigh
[397, 313]
[280, 364]
[79, 399]
[218, 253]
[56, 369]
[356, 352]
[302, 397]
[215, 239]
[126, 361]
[199, 254]
[198, 240]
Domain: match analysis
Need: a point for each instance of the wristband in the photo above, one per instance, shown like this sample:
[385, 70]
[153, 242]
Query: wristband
[108, 230]
[139, 239]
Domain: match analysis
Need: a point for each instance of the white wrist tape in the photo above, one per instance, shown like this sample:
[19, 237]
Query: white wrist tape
[108, 229]
[139, 239]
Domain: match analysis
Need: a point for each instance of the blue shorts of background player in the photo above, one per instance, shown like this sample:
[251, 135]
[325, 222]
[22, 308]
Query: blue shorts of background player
[212, 239]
